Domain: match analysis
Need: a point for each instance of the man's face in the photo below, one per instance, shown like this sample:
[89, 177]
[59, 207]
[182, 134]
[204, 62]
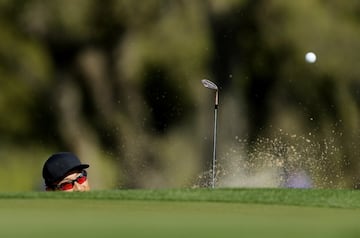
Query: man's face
[74, 182]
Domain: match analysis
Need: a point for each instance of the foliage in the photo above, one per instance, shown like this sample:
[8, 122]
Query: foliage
[118, 83]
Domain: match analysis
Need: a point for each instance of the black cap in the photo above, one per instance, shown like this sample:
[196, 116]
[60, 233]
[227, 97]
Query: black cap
[59, 165]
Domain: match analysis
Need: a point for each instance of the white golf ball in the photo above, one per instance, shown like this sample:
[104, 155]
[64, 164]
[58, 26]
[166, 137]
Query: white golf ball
[310, 57]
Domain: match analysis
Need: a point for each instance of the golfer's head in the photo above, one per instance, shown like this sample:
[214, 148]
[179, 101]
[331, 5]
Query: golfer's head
[64, 171]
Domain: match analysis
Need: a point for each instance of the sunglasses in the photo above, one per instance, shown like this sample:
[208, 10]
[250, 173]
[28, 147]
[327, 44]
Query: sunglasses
[70, 184]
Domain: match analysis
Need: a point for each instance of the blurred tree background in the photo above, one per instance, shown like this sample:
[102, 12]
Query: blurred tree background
[118, 83]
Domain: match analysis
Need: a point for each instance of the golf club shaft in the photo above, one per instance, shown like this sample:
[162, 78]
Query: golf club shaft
[215, 131]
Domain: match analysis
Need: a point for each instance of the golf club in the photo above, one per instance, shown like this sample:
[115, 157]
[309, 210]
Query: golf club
[211, 85]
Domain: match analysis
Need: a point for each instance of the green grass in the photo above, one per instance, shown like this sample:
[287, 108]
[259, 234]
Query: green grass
[182, 213]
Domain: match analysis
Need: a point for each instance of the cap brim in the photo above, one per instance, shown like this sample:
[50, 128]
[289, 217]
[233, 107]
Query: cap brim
[76, 168]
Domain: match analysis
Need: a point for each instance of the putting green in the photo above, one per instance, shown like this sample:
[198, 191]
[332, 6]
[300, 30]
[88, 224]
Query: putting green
[44, 217]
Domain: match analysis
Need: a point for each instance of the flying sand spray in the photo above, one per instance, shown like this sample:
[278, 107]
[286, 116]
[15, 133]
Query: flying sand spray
[211, 85]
